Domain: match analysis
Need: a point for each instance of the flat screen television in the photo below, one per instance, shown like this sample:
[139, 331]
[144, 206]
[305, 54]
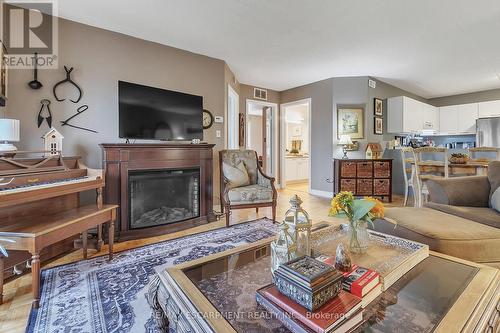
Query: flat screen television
[158, 114]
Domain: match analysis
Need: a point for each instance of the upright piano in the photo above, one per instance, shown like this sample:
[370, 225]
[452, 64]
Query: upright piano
[41, 214]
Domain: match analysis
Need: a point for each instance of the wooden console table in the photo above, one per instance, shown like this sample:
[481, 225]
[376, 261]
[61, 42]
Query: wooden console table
[364, 177]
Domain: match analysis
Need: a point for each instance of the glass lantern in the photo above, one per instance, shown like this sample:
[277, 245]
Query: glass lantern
[300, 226]
[283, 249]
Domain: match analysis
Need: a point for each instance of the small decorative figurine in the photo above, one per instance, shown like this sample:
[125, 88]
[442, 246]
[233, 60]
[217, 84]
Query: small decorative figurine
[52, 142]
[283, 249]
[300, 226]
[342, 259]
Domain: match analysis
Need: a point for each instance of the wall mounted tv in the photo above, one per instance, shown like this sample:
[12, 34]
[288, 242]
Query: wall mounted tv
[157, 114]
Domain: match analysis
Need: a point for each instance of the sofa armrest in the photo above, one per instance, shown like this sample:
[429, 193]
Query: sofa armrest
[461, 191]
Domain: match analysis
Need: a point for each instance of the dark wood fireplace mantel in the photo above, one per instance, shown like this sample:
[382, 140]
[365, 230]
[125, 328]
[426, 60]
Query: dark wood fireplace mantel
[119, 159]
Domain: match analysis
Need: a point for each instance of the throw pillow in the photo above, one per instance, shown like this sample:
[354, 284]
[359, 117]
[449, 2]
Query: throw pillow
[236, 175]
[495, 200]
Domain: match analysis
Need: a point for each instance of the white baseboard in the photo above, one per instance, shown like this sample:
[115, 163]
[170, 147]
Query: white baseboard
[324, 194]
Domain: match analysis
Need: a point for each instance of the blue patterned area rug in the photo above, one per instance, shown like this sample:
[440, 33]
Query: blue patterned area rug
[102, 297]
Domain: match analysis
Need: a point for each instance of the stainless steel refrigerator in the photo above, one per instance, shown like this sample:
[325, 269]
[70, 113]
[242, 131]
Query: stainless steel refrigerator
[488, 132]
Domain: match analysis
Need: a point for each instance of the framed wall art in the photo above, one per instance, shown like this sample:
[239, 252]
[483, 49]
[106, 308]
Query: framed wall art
[3, 73]
[350, 121]
[378, 107]
[378, 127]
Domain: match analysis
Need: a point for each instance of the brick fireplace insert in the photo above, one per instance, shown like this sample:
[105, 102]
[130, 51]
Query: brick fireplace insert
[160, 188]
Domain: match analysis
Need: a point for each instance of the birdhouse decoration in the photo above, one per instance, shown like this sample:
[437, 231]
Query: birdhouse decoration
[52, 142]
[300, 226]
[283, 249]
[374, 151]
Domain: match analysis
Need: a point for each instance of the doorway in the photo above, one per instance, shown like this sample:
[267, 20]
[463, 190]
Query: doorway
[261, 128]
[296, 148]
[233, 110]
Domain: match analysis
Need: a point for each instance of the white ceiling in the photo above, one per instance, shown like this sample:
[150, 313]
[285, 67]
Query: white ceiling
[431, 48]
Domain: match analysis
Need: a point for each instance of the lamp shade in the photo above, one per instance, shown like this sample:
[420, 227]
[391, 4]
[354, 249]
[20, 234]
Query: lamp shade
[9, 130]
[345, 140]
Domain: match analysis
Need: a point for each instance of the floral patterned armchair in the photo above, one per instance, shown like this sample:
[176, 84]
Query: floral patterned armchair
[253, 189]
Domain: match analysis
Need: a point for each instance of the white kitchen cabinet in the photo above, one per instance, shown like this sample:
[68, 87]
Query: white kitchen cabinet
[448, 119]
[458, 119]
[407, 115]
[467, 116]
[430, 116]
[296, 168]
[489, 109]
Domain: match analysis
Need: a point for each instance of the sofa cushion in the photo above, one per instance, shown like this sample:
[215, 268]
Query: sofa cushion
[495, 200]
[236, 175]
[483, 215]
[250, 194]
[444, 233]
[494, 177]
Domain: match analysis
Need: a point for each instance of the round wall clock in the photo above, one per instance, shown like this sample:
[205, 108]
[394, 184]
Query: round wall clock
[208, 119]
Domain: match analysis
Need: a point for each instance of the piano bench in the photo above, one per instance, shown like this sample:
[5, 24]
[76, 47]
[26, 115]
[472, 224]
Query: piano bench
[50, 229]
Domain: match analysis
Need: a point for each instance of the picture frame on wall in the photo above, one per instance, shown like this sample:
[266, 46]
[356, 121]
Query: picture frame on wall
[378, 126]
[3, 73]
[378, 107]
[350, 120]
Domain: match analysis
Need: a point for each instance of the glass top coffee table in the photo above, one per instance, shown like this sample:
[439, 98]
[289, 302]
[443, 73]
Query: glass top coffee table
[217, 294]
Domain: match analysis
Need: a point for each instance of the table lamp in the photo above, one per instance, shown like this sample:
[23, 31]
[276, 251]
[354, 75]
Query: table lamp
[9, 132]
[345, 140]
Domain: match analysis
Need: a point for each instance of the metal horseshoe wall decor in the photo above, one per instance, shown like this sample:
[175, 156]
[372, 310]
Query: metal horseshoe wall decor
[79, 111]
[68, 80]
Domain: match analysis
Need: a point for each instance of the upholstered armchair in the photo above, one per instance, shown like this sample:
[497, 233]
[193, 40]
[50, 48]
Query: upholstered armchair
[243, 184]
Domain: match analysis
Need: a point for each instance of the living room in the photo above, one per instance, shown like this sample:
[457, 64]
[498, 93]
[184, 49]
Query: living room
[134, 198]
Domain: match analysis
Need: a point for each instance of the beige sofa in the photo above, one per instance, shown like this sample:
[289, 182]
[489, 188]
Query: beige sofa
[457, 221]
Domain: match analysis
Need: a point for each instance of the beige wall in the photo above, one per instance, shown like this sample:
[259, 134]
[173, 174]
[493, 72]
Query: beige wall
[322, 125]
[475, 97]
[100, 59]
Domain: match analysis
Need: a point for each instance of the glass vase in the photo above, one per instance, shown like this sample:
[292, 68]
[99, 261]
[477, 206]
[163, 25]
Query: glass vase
[358, 237]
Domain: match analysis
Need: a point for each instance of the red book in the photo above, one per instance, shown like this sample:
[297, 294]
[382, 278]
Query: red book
[360, 281]
[327, 317]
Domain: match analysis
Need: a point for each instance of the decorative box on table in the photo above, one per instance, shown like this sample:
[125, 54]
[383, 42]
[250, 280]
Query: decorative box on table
[308, 282]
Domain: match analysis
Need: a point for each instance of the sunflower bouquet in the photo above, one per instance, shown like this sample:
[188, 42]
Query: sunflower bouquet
[359, 212]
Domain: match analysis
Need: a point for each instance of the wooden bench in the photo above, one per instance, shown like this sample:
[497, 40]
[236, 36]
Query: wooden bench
[32, 234]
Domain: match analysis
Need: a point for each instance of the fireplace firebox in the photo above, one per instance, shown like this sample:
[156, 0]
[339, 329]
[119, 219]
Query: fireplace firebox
[159, 197]
[161, 188]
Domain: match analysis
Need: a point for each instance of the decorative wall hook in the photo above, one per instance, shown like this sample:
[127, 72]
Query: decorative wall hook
[79, 111]
[45, 104]
[68, 79]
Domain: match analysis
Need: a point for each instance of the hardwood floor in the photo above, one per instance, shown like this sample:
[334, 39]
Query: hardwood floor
[15, 310]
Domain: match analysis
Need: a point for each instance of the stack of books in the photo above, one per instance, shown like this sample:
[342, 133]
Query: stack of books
[362, 282]
[307, 296]
[308, 282]
[339, 314]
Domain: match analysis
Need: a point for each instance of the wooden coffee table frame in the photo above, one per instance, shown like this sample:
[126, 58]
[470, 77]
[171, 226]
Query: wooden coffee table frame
[472, 311]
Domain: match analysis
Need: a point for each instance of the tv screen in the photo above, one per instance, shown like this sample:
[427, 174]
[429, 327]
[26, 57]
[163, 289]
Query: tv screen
[158, 114]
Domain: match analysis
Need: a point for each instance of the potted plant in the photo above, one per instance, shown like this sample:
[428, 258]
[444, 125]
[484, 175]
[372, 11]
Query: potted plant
[359, 212]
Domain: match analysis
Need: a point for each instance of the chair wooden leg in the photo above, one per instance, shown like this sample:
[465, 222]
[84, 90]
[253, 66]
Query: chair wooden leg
[35, 276]
[228, 211]
[274, 212]
[1, 278]
[406, 196]
[111, 238]
[257, 210]
[84, 244]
